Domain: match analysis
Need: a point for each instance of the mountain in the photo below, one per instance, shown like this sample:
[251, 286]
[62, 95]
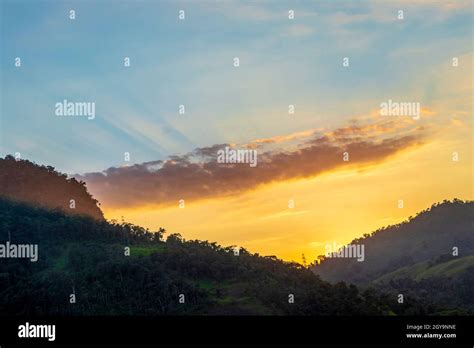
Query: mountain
[26, 181]
[428, 256]
[88, 258]
[85, 265]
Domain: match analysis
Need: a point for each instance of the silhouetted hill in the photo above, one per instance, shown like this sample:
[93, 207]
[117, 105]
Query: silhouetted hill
[25, 181]
[123, 269]
[87, 257]
[430, 256]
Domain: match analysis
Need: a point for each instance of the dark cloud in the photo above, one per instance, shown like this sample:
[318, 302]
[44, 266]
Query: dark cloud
[198, 175]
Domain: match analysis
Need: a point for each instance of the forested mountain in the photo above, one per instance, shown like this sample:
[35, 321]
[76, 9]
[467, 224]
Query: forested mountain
[430, 255]
[85, 257]
[26, 181]
[89, 266]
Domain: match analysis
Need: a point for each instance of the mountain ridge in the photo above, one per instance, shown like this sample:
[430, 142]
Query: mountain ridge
[26, 181]
[430, 255]
[88, 258]
[116, 268]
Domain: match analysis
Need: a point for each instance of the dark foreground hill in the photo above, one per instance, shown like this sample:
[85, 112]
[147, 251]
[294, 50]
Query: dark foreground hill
[429, 256]
[25, 181]
[86, 257]
[88, 266]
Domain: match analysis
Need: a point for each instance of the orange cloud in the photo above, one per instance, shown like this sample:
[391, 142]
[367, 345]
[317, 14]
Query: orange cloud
[198, 175]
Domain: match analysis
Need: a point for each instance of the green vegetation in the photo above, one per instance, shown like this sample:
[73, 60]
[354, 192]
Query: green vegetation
[122, 269]
[146, 250]
[87, 256]
[426, 269]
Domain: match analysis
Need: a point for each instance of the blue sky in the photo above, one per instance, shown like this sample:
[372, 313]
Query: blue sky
[189, 62]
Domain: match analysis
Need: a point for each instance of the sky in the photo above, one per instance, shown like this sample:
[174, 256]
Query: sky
[140, 157]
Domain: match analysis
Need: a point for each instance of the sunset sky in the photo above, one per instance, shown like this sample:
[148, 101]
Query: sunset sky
[282, 62]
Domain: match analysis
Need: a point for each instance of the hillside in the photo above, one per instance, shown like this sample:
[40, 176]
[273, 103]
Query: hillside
[86, 257]
[112, 268]
[26, 181]
[429, 256]
[427, 269]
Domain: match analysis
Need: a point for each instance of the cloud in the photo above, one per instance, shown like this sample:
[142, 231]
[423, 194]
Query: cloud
[282, 138]
[198, 175]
